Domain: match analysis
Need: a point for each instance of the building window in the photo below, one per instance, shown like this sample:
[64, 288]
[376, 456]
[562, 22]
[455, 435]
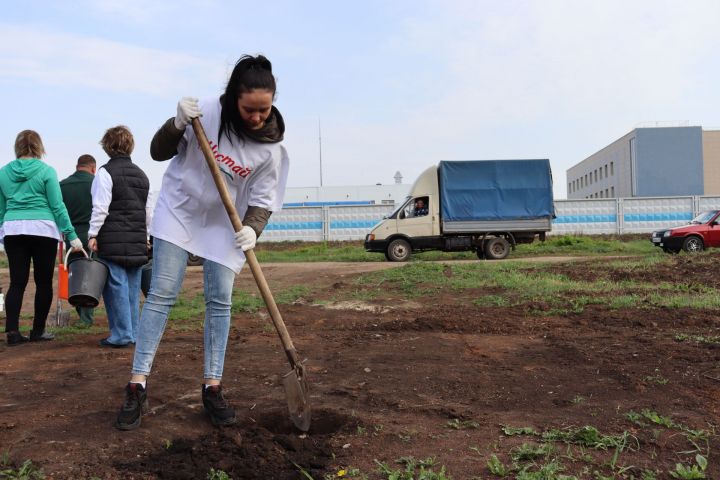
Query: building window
[600, 173]
[595, 175]
[606, 170]
[612, 170]
[612, 192]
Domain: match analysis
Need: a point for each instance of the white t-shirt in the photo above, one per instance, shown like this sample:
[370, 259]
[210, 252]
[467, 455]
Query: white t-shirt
[189, 212]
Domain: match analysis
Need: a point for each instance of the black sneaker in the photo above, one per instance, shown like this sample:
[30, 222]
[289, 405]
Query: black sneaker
[217, 407]
[135, 405]
[16, 338]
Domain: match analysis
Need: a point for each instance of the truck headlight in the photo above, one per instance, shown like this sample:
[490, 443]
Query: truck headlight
[667, 233]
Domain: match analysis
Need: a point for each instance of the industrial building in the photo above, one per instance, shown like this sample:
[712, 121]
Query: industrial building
[377, 194]
[651, 162]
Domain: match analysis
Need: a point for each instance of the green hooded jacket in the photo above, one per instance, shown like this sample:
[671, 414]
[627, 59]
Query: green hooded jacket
[29, 190]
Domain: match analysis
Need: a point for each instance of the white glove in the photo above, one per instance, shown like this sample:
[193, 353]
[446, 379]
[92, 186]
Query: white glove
[76, 245]
[187, 109]
[245, 238]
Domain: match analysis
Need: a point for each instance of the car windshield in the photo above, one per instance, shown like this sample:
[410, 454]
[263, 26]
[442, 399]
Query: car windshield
[704, 217]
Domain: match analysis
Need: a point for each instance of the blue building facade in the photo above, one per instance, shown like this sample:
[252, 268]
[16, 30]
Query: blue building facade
[667, 162]
[647, 162]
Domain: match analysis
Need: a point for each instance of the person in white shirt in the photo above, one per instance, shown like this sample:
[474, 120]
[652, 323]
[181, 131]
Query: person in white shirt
[118, 233]
[245, 132]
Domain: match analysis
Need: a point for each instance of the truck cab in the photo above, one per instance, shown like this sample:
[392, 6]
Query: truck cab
[408, 226]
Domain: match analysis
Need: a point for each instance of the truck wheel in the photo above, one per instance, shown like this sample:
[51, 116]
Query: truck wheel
[398, 250]
[693, 244]
[496, 248]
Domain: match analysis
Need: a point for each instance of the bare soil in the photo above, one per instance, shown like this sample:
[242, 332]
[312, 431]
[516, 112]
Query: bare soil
[386, 378]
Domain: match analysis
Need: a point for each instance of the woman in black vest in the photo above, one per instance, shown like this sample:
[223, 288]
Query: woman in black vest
[118, 233]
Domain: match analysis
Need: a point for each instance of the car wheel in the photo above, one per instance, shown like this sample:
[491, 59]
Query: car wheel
[496, 248]
[693, 244]
[398, 250]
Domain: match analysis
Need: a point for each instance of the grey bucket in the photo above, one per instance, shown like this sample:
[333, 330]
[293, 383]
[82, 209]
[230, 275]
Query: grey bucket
[145, 278]
[86, 280]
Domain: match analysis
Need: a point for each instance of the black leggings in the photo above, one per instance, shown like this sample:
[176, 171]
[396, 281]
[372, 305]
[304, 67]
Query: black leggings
[20, 249]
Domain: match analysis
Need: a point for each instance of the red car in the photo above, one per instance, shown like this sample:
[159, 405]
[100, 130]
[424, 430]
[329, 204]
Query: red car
[702, 232]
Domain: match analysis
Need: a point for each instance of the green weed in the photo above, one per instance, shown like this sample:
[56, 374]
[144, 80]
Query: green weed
[511, 431]
[656, 378]
[27, 471]
[457, 424]
[496, 467]
[692, 472]
[528, 451]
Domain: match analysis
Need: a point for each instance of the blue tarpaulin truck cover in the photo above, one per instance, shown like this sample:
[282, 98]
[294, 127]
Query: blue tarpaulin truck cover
[480, 190]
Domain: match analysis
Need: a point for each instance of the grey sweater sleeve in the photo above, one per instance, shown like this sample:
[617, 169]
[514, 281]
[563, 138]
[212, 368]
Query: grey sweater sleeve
[165, 142]
[256, 218]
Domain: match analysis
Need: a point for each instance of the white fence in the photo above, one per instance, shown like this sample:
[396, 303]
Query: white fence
[592, 216]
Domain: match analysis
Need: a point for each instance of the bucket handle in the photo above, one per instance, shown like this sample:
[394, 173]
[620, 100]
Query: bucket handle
[68, 254]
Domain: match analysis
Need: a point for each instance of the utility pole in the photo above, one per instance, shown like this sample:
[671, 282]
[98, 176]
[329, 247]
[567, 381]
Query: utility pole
[320, 149]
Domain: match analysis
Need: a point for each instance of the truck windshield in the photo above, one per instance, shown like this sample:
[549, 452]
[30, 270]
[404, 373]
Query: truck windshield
[395, 212]
[704, 217]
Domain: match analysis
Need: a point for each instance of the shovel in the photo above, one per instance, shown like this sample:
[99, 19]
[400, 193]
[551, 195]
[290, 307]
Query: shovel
[294, 381]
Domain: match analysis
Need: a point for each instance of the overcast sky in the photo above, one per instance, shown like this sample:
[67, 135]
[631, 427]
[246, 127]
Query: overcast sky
[393, 85]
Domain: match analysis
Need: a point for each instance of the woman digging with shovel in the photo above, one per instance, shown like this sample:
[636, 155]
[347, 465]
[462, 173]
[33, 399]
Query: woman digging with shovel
[245, 131]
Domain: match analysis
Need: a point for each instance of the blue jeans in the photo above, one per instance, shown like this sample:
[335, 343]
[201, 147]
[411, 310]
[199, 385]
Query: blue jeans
[122, 302]
[169, 263]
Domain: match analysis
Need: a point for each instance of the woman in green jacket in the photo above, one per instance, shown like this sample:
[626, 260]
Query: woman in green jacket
[32, 217]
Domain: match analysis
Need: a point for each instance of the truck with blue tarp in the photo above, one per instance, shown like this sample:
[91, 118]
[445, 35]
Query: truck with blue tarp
[485, 206]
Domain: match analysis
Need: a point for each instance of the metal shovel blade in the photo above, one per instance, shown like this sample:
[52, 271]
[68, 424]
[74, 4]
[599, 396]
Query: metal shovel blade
[296, 391]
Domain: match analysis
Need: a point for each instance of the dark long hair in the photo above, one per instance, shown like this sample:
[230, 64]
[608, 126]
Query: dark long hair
[250, 73]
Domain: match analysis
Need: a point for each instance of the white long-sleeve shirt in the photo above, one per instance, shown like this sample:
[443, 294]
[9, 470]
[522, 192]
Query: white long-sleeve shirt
[101, 191]
[189, 212]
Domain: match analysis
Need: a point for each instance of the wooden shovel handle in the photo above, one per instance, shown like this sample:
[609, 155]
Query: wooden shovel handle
[250, 254]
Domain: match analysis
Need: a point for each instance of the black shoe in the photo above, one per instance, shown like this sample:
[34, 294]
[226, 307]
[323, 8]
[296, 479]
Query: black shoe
[43, 337]
[16, 338]
[104, 343]
[217, 407]
[135, 405]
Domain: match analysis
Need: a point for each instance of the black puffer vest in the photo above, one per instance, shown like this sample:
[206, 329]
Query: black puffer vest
[123, 237]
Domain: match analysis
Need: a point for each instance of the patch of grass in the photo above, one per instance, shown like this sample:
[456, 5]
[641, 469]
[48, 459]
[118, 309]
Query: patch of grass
[412, 469]
[492, 301]
[624, 301]
[188, 308]
[710, 339]
[588, 245]
[542, 461]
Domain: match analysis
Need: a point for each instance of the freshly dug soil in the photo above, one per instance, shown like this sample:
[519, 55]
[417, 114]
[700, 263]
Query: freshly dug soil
[425, 377]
